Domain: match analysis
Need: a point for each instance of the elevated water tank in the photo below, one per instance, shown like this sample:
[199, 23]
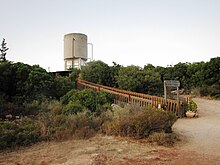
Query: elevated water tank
[75, 50]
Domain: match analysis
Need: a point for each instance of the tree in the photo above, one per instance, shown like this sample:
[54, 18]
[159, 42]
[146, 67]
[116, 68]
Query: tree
[3, 51]
[61, 86]
[212, 71]
[151, 83]
[74, 76]
[129, 78]
[134, 78]
[212, 77]
[97, 72]
[20, 75]
[149, 67]
[6, 80]
[196, 74]
[114, 73]
[39, 83]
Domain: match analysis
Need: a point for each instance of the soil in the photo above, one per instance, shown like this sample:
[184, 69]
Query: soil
[200, 144]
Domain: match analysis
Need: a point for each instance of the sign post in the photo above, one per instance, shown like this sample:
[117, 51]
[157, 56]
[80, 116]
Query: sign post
[174, 84]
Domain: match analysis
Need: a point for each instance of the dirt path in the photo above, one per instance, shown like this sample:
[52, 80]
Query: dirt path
[203, 133]
[200, 146]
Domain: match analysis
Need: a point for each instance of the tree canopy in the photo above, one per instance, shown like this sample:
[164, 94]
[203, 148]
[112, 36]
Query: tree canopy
[97, 72]
[3, 50]
[203, 76]
[21, 82]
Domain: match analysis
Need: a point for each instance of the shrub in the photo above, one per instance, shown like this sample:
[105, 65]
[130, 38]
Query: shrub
[214, 91]
[28, 132]
[87, 98]
[100, 109]
[164, 139]
[62, 133]
[73, 76]
[84, 133]
[19, 134]
[32, 108]
[141, 123]
[84, 125]
[10, 108]
[72, 108]
[104, 98]
[61, 127]
[204, 91]
[56, 108]
[35, 107]
[192, 106]
[68, 96]
[51, 124]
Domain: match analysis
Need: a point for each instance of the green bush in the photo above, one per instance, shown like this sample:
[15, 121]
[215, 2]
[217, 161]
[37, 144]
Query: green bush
[100, 109]
[192, 106]
[104, 98]
[89, 99]
[72, 108]
[141, 124]
[214, 91]
[204, 91]
[19, 134]
[68, 96]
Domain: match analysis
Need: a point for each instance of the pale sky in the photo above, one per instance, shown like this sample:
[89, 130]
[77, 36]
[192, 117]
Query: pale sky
[129, 32]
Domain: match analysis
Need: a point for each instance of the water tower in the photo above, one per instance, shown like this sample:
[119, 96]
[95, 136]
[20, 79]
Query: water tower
[75, 50]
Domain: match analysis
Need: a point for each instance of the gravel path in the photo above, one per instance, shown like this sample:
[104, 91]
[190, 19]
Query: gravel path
[203, 133]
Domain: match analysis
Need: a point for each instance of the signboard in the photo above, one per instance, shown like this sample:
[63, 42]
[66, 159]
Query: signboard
[176, 84]
[172, 83]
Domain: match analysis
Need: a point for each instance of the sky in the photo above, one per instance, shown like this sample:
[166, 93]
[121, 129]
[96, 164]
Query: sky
[128, 32]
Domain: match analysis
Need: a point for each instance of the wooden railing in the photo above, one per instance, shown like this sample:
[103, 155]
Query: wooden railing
[142, 100]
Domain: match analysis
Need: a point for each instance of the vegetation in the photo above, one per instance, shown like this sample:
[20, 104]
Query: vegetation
[26, 92]
[192, 106]
[163, 139]
[24, 83]
[201, 78]
[97, 72]
[35, 105]
[134, 78]
[140, 124]
[3, 50]
[22, 133]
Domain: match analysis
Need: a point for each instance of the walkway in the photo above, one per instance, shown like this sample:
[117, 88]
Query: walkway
[202, 134]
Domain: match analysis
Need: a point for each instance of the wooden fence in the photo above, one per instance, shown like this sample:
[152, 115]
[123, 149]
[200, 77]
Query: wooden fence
[142, 100]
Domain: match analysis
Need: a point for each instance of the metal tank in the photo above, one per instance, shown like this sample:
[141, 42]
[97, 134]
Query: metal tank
[75, 50]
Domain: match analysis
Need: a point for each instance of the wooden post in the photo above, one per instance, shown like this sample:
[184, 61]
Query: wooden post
[165, 95]
[129, 99]
[178, 103]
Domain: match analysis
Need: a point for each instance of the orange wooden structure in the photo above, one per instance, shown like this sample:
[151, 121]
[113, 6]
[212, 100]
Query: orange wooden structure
[135, 98]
